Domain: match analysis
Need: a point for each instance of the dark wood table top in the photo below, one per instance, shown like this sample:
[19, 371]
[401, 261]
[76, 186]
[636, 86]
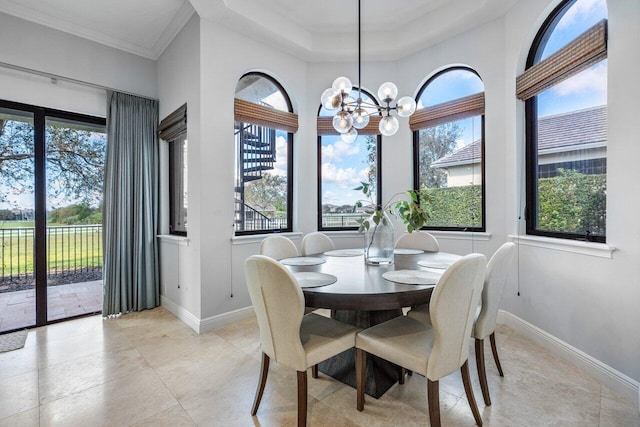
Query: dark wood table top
[361, 287]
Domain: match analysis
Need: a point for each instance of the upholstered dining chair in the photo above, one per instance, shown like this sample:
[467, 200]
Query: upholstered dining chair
[435, 350]
[315, 243]
[287, 336]
[278, 247]
[418, 240]
[486, 315]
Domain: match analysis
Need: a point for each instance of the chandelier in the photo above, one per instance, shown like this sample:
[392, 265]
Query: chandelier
[353, 113]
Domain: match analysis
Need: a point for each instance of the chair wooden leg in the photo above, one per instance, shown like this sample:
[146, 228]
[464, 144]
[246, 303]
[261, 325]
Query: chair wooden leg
[433, 400]
[314, 371]
[302, 398]
[482, 374]
[361, 367]
[403, 372]
[494, 350]
[469, 391]
[264, 371]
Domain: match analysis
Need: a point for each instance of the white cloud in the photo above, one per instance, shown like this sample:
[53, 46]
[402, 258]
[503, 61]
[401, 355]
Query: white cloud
[592, 82]
[336, 151]
[280, 167]
[343, 178]
[581, 10]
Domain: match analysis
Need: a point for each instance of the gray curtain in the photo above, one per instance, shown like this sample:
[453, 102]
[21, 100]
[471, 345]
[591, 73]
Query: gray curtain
[130, 217]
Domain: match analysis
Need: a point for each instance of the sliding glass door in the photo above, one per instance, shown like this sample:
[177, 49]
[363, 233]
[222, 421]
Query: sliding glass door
[17, 209]
[51, 169]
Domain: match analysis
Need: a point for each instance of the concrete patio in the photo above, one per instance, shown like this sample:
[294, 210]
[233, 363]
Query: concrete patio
[18, 309]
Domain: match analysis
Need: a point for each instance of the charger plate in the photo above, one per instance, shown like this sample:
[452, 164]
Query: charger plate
[313, 279]
[412, 277]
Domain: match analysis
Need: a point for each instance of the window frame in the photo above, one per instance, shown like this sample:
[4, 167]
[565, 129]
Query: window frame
[531, 137]
[416, 160]
[319, 166]
[287, 99]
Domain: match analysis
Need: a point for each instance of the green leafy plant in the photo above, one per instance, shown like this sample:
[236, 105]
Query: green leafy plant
[412, 212]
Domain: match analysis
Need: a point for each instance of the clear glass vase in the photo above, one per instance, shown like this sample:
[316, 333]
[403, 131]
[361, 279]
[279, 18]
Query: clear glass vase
[378, 240]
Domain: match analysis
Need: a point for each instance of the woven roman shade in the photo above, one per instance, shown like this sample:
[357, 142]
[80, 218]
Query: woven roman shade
[461, 108]
[174, 124]
[587, 49]
[261, 115]
[325, 126]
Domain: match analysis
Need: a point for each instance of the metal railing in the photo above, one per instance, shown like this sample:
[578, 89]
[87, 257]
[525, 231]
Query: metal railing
[341, 219]
[74, 254]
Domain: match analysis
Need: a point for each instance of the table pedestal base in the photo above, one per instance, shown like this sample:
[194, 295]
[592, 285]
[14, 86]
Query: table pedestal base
[380, 375]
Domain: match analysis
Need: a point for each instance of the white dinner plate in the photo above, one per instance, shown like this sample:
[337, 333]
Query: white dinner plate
[406, 251]
[345, 252]
[312, 279]
[412, 277]
[303, 260]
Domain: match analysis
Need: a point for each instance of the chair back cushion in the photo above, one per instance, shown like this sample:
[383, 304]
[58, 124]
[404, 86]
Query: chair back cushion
[315, 243]
[278, 247]
[452, 308]
[418, 240]
[279, 305]
[494, 283]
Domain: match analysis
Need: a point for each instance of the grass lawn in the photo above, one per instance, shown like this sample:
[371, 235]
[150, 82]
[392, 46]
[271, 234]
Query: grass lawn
[67, 249]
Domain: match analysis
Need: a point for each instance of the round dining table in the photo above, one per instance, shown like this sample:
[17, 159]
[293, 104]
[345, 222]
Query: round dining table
[361, 296]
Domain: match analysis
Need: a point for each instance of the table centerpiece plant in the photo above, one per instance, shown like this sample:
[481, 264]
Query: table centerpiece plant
[378, 228]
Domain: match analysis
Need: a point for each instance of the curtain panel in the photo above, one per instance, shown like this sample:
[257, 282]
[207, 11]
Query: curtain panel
[130, 210]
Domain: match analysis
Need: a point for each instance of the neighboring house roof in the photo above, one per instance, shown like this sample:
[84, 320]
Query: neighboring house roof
[572, 131]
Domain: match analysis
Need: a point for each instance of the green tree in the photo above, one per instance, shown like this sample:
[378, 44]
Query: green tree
[270, 190]
[76, 214]
[372, 160]
[435, 143]
[75, 161]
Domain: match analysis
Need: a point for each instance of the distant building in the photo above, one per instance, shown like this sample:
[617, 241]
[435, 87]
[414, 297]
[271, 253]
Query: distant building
[570, 141]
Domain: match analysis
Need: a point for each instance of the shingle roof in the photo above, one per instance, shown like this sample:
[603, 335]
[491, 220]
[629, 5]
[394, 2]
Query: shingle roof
[566, 130]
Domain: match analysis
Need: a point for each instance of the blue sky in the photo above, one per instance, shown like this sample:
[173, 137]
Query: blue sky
[588, 88]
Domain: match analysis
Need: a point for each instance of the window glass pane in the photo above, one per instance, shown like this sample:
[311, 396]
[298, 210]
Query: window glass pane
[178, 184]
[343, 168]
[263, 163]
[449, 156]
[450, 172]
[571, 155]
[450, 85]
[74, 170]
[572, 22]
[567, 171]
[259, 89]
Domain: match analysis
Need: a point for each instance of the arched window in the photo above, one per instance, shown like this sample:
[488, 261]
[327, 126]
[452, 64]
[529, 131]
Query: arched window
[342, 167]
[565, 92]
[264, 126]
[448, 149]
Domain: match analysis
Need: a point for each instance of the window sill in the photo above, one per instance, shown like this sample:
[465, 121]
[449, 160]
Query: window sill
[173, 239]
[257, 238]
[600, 250]
[460, 235]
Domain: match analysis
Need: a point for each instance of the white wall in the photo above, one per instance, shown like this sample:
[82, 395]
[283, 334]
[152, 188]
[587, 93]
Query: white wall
[34, 46]
[179, 83]
[225, 57]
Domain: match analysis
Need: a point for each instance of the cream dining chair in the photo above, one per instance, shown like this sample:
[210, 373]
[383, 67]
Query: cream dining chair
[486, 315]
[278, 247]
[287, 336]
[436, 350]
[418, 240]
[315, 243]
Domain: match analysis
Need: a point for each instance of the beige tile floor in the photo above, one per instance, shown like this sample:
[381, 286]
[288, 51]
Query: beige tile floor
[18, 309]
[149, 369]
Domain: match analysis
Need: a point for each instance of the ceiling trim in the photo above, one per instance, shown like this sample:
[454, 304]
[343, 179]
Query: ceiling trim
[182, 17]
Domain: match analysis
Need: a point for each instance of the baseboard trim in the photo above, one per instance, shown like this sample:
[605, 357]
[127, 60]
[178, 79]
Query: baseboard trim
[181, 313]
[601, 372]
[222, 320]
